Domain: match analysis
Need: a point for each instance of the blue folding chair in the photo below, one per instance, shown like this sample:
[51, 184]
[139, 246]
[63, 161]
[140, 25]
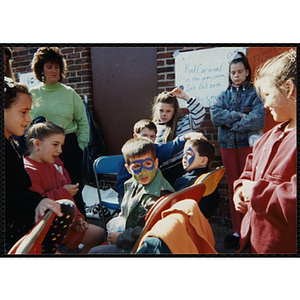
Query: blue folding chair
[106, 165]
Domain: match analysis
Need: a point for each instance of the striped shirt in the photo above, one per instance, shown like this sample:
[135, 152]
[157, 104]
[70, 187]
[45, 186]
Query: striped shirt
[188, 123]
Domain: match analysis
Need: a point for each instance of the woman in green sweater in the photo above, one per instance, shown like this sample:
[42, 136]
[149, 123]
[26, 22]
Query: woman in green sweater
[61, 105]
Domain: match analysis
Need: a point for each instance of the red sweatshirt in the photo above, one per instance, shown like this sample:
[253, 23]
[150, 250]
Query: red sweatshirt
[271, 221]
[49, 181]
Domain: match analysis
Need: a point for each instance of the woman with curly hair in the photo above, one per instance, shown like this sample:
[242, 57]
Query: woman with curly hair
[61, 105]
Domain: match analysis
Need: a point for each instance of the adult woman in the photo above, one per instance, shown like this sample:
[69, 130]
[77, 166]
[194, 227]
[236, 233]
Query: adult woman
[61, 105]
[23, 207]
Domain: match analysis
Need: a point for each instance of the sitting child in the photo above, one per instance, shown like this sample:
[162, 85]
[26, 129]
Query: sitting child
[142, 190]
[146, 128]
[49, 178]
[198, 155]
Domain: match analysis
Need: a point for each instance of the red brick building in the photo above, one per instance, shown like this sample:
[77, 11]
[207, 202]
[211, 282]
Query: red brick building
[85, 76]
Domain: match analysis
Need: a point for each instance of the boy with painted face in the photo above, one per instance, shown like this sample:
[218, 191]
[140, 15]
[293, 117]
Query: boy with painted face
[198, 156]
[146, 128]
[146, 185]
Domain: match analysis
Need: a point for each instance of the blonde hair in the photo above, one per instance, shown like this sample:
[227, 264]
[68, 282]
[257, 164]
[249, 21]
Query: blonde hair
[171, 126]
[277, 71]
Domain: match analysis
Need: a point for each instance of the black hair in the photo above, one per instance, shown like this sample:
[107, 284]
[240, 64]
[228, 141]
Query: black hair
[241, 57]
[11, 89]
[204, 148]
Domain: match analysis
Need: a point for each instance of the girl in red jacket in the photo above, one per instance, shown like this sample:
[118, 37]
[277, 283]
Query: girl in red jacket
[49, 178]
[266, 192]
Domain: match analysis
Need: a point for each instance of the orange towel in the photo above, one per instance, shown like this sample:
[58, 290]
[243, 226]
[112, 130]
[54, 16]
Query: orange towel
[184, 229]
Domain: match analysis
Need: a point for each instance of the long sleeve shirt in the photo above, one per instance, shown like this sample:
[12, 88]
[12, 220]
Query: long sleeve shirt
[172, 168]
[20, 201]
[163, 153]
[238, 113]
[271, 220]
[49, 180]
[61, 105]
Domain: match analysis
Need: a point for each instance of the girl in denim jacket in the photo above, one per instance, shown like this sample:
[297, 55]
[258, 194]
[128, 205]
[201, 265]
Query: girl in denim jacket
[239, 115]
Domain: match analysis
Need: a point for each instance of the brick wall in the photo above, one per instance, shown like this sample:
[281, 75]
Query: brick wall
[166, 82]
[79, 75]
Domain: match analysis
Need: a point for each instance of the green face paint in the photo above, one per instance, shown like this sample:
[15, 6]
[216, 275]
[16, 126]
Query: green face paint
[143, 170]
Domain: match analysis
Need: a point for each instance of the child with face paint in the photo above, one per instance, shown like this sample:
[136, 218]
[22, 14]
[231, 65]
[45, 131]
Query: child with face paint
[146, 128]
[198, 155]
[141, 191]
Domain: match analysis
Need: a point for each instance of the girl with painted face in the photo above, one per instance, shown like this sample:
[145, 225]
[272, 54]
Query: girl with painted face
[49, 177]
[266, 192]
[239, 115]
[169, 123]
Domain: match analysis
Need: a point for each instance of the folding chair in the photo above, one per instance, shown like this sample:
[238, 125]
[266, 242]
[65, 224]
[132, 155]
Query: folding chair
[194, 192]
[211, 180]
[31, 243]
[106, 165]
[203, 186]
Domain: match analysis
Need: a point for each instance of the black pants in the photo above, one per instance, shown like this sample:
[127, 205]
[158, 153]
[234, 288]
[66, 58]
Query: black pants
[72, 159]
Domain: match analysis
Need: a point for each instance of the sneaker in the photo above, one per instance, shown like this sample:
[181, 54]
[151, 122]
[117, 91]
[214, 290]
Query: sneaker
[231, 241]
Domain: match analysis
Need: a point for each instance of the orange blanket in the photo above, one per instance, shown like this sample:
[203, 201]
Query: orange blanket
[184, 229]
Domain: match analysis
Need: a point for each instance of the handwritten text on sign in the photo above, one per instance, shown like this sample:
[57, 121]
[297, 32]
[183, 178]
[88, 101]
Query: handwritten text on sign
[204, 73]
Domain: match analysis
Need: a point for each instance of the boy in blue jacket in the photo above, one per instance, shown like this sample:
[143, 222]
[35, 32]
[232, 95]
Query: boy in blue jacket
[198, 156]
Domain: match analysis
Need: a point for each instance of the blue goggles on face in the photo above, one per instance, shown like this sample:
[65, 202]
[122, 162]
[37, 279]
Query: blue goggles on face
[138, 165]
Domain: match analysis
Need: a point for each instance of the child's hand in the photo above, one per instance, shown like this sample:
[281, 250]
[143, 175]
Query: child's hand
[247, 189]
[81, 225]
[72, 188]
[45, 204]
[238, 200]
[194, 136]
[178, 92]
[112, 237]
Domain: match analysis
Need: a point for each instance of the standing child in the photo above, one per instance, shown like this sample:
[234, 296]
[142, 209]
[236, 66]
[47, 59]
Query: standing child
[198, 155]
[44, 143]
[239, 114]
[165, 114]
[141, 191]
[266, 192]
